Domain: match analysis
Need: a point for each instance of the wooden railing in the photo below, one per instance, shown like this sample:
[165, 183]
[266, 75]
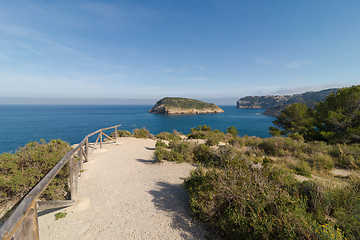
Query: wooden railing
[23, 222]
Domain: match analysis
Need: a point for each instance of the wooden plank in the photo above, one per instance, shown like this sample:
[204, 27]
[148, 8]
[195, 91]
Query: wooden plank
[103, 129]
[95, 145]
[84, 156]
[9, 228]
[108, 136]
[45, 205]
[81, 160]
[72, 176]
[29, 228]
[87, 149]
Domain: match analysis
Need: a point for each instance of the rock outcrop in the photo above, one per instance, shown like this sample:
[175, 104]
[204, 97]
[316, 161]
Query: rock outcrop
[172, 105]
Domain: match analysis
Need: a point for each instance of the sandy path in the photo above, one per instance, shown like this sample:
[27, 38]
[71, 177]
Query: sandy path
[125, 196]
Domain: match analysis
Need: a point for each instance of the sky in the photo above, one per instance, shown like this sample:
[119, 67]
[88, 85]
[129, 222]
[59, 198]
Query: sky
[219, 50]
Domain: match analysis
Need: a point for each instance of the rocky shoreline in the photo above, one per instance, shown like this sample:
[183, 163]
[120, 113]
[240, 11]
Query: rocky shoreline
[165, 110]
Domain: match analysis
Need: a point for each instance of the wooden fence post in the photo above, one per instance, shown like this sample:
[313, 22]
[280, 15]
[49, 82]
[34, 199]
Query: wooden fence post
[87, 150]
[80, 157]
[101, 140]
[29, 228]
[116, 133]
[72, 176]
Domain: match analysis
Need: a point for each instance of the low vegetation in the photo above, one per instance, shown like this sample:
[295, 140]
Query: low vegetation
[60, 215]
[121, 133]
[20, 171]
[175, 135]
[273, 188]
[142, 133]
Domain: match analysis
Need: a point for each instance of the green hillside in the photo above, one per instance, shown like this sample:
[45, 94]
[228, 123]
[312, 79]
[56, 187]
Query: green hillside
[184, 103]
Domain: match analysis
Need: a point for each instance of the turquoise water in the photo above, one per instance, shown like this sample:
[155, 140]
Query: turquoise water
[20, 124]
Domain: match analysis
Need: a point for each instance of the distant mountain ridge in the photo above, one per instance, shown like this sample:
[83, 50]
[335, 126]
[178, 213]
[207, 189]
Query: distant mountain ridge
[274, 104]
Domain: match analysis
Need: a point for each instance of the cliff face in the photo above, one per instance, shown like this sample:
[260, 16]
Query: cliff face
[184, 106]
[275, 104]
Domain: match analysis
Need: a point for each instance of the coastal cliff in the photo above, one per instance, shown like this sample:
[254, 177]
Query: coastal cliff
[274, 104]
[174, 105]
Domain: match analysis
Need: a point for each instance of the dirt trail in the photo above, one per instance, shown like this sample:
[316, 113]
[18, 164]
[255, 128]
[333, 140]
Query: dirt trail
[123, 195]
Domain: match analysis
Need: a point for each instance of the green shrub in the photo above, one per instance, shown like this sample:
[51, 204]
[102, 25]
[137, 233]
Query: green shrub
[301, 168]
[212, 142]
[237, 142]
[232, 130]
[161, 154]
[346, 156]
[22, 170]
[204, 154]
[160, 144]
[201, 128]
[60, 215]
[252, 141]
[169, 136]
[242, 203]
[328, 232]
[121, 133]
[197, 135]
[142, 133]
[181, 151]
[321, 162]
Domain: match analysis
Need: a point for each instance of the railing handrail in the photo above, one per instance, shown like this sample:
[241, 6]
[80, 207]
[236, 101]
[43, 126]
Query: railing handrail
[16, 219]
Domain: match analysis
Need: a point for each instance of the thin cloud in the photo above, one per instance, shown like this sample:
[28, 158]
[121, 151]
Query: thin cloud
[33, 50]
[197, 79]
[172, 70]
[167, 70]
[199, 67]
[296, 64]
[264, 60]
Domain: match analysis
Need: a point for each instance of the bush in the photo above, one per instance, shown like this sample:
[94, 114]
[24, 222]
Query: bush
[21, 171]
[160, 144]
[121, 133]
[204, 154]
[301, 168]
[212, 142]
[169, 136]
[322, 162]
[237, 142]
[181, 151]
[161, 153]
[232, 130]
[242, 203]
[142, 133]
[328, 232]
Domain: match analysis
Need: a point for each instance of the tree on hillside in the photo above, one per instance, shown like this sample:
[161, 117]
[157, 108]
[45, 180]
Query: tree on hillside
[335, 120]
[296, 118]
[338, 117]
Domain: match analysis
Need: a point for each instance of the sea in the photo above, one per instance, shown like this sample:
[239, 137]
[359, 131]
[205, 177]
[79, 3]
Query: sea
[21, 124]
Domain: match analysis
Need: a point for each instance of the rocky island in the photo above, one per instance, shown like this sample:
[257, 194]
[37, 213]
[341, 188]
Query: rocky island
[175, 105]
[274, 104]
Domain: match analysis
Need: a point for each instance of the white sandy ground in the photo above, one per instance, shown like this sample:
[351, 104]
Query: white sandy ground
[123, 195]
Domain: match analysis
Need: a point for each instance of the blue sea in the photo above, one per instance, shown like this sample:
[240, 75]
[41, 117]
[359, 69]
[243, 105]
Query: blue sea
[20, 124]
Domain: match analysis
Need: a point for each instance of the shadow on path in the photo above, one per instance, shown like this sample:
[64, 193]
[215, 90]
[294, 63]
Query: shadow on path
[146, 161]
[173, 199]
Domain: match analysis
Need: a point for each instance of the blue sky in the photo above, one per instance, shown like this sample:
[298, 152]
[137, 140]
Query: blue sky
[200, 49]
